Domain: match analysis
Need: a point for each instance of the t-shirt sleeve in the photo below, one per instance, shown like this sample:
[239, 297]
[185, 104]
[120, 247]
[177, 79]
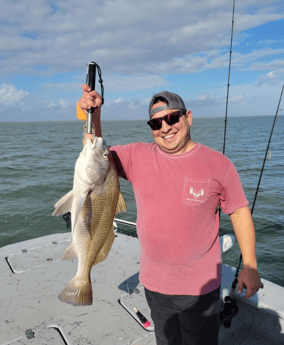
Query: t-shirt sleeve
[121, 154]
[232, 193]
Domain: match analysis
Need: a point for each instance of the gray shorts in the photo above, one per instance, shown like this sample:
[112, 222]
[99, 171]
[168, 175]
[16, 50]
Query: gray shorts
[184, 319]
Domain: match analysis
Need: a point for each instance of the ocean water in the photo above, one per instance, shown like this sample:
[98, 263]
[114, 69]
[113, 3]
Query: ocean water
[37, 165]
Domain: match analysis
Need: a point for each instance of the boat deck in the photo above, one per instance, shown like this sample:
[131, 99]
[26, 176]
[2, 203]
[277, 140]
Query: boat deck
[32, 275]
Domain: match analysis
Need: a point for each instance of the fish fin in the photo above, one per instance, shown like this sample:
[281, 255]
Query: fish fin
[121, 205]
[77, 292]
[103, 253]
[78, 209]
[64, 204]
[70, 252]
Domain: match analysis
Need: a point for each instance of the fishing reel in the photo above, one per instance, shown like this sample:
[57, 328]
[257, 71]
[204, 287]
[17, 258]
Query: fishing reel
[67, 218]
[230, 310]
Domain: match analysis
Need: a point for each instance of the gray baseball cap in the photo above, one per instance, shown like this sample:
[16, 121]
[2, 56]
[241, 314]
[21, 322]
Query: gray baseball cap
[173, 102]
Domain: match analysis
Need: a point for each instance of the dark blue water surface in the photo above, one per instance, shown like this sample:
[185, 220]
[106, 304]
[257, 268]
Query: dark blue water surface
[37, 165]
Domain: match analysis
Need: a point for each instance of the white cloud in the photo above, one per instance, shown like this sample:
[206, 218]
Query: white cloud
[135, 82]
[269, 42]
[254, 61]
[119, 100]
[116, 83]
[214, 60]
[205, 100]
[51, 105]
[10, 95]
[236, 98]
[271, 78]
[61, 104]
[123, 36]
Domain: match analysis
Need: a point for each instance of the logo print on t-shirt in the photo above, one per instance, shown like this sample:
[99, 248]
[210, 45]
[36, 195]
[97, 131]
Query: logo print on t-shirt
[195, 194]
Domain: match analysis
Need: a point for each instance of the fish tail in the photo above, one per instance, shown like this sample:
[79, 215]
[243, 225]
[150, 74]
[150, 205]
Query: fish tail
[78, 292]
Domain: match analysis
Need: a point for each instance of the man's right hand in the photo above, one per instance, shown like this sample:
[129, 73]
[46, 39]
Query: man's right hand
[88, 100]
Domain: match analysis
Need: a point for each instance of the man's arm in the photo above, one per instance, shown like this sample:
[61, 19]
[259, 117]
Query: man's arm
[245, 233]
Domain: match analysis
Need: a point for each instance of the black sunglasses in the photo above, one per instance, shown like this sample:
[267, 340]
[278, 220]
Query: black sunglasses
[170, 119]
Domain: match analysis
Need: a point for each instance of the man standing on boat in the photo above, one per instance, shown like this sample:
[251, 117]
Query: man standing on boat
[179, 185]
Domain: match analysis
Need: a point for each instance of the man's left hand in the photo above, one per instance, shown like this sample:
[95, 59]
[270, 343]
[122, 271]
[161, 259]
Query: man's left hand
[250, 280]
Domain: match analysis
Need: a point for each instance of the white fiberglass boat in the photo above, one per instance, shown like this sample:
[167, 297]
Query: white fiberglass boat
[32, 275]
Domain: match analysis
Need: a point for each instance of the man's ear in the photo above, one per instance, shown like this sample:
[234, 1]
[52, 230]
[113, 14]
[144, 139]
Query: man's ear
[189, 117]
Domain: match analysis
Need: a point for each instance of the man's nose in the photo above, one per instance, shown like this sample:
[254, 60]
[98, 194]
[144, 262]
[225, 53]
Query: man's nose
[165, 127]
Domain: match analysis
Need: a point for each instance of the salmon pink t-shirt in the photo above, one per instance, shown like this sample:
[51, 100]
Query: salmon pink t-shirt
[177, 197]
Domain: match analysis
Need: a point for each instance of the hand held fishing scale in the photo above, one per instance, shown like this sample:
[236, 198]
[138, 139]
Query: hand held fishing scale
[91, 81]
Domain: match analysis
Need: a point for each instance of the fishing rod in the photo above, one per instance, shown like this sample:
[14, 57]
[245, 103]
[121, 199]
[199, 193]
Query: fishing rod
[229, 74]
[91, 81]
[228, 88]
[233, 288]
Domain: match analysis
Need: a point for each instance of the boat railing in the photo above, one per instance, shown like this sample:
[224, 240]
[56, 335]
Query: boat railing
[116, 228]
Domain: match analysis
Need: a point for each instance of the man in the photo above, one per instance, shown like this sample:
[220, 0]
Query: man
[178, 186]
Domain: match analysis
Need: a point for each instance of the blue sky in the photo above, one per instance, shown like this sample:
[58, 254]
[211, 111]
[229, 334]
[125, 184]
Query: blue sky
[142, 47]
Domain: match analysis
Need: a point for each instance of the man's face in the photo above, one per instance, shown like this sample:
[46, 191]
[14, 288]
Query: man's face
[173, 138]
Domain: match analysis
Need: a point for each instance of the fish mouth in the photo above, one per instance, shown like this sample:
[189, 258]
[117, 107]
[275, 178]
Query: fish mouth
[97, 142]
[99, 145]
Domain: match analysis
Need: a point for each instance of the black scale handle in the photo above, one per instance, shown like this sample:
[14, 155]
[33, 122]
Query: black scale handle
[91, 81]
